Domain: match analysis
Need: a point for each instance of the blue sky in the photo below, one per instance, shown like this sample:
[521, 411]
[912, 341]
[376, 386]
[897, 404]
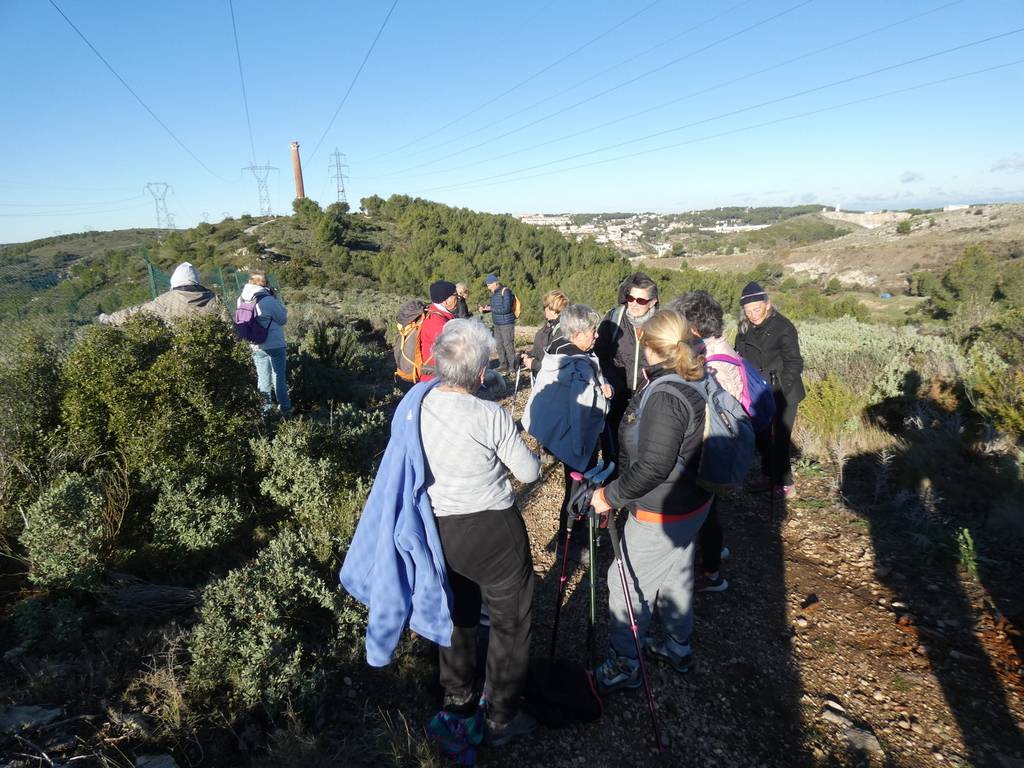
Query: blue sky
[509, 107]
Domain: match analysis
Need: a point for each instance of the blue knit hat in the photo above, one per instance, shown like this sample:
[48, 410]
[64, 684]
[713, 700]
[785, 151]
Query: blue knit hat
[490, 279]
[752, 292]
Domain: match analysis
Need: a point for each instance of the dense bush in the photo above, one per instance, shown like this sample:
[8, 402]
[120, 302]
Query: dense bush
[64, 535]
[999, 395]
[179, 400]
[314, 470]
[265, 629]
[49, 624]
[880, 361]
[29, 414]
[190, 517]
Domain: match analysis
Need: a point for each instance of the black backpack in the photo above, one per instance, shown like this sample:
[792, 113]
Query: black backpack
[561, 693]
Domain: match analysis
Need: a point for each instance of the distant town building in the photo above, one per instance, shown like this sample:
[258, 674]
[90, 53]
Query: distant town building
[957, 207]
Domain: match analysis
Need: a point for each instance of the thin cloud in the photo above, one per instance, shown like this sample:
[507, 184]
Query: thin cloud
[1013, 163]
[910, 177]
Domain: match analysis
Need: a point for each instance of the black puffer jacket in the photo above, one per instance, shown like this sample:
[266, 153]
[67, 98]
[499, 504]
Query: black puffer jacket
[773, 346]
[544, 337]
[653, 480]
[616, 349]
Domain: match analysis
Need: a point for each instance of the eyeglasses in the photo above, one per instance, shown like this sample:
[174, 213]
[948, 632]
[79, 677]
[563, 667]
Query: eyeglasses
[639, 300]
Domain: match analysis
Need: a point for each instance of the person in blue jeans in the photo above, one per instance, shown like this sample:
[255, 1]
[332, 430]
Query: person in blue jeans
[270, 356]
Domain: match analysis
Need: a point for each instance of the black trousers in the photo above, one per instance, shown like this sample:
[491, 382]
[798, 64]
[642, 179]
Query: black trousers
[487, 556]
[710, 540]
[775, 445]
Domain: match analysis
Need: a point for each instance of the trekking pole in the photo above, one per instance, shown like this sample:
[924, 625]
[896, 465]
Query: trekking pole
[591, 625]
[562, 576]
[617, 553]
[771, 454]
[515, 390]
[580, 499]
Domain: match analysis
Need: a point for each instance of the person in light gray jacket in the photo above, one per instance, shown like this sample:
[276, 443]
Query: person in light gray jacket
[570, 398]
[186, 298]
[271, 355]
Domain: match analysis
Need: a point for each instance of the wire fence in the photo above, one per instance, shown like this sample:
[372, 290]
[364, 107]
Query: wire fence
[226, 282]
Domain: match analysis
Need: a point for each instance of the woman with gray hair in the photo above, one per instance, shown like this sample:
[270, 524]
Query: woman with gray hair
[567, 408]
[470, 446]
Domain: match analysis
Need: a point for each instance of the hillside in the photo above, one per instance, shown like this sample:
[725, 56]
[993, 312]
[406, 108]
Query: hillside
[882, 258]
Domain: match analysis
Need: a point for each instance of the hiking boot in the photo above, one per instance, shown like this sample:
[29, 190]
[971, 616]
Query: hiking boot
[760, 484]
[784, 491]
[500, 734]
[709, 583]
[617, 672]
[679, 656]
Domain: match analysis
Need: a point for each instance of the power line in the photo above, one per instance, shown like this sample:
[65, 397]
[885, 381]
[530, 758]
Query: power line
[741, 110]
[138, 98]
[614, 88]
[71, 205]
[588, 79]
[90, 212]
[523, 82]
[746, 128]
[241, 77]
[354, 79]
[693, 94]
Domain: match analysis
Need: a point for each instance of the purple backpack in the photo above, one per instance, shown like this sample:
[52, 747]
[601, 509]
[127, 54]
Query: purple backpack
[757, 397]
[247, 324]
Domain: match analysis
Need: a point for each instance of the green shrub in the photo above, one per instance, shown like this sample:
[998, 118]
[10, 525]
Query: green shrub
[265, 629]
[189, 517]
[179, 400]
[55, 625]
[29, 413]
[64, 535]
[830, 409]
[903, 228]
[999, 395]
[314, 470]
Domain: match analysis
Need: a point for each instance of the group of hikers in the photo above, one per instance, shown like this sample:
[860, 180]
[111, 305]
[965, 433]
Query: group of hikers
[442, 546]
[260, 316]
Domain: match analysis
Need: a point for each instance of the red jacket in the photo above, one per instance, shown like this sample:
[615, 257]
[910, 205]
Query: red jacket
[432, 326]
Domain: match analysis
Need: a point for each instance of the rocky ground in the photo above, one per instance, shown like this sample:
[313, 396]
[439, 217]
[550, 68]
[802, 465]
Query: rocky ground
[832, 646]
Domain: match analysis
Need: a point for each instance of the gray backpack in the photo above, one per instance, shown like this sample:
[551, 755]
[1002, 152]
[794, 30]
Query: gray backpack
[728, 447]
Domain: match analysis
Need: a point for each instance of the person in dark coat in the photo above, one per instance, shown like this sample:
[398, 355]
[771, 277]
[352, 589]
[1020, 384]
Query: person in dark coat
[621, 356]
[554, 302]
[461, 307]
[770, 342]
[658, 486]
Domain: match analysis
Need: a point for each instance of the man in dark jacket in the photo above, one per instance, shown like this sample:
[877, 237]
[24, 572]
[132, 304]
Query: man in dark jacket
[621, 356]
[502, 311]
[770, 342]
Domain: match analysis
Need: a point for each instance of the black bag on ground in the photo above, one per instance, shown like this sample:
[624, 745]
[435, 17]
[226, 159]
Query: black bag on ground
[561, 692]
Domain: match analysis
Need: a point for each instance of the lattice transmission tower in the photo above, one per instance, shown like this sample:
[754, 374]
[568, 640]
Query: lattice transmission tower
[337, 169]
[159, 189]
[260, 173]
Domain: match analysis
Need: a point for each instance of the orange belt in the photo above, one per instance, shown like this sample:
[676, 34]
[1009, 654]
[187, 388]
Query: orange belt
[647, 516]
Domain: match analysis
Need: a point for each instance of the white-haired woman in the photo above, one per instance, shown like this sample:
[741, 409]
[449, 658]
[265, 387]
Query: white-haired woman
[471, 446]
[567, 408]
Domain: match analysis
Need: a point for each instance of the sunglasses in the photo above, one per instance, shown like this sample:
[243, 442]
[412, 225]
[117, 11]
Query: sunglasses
[639, 300]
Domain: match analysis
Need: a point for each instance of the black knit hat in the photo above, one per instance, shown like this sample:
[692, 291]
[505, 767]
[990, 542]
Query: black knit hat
[752, 292]
[441, 290]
